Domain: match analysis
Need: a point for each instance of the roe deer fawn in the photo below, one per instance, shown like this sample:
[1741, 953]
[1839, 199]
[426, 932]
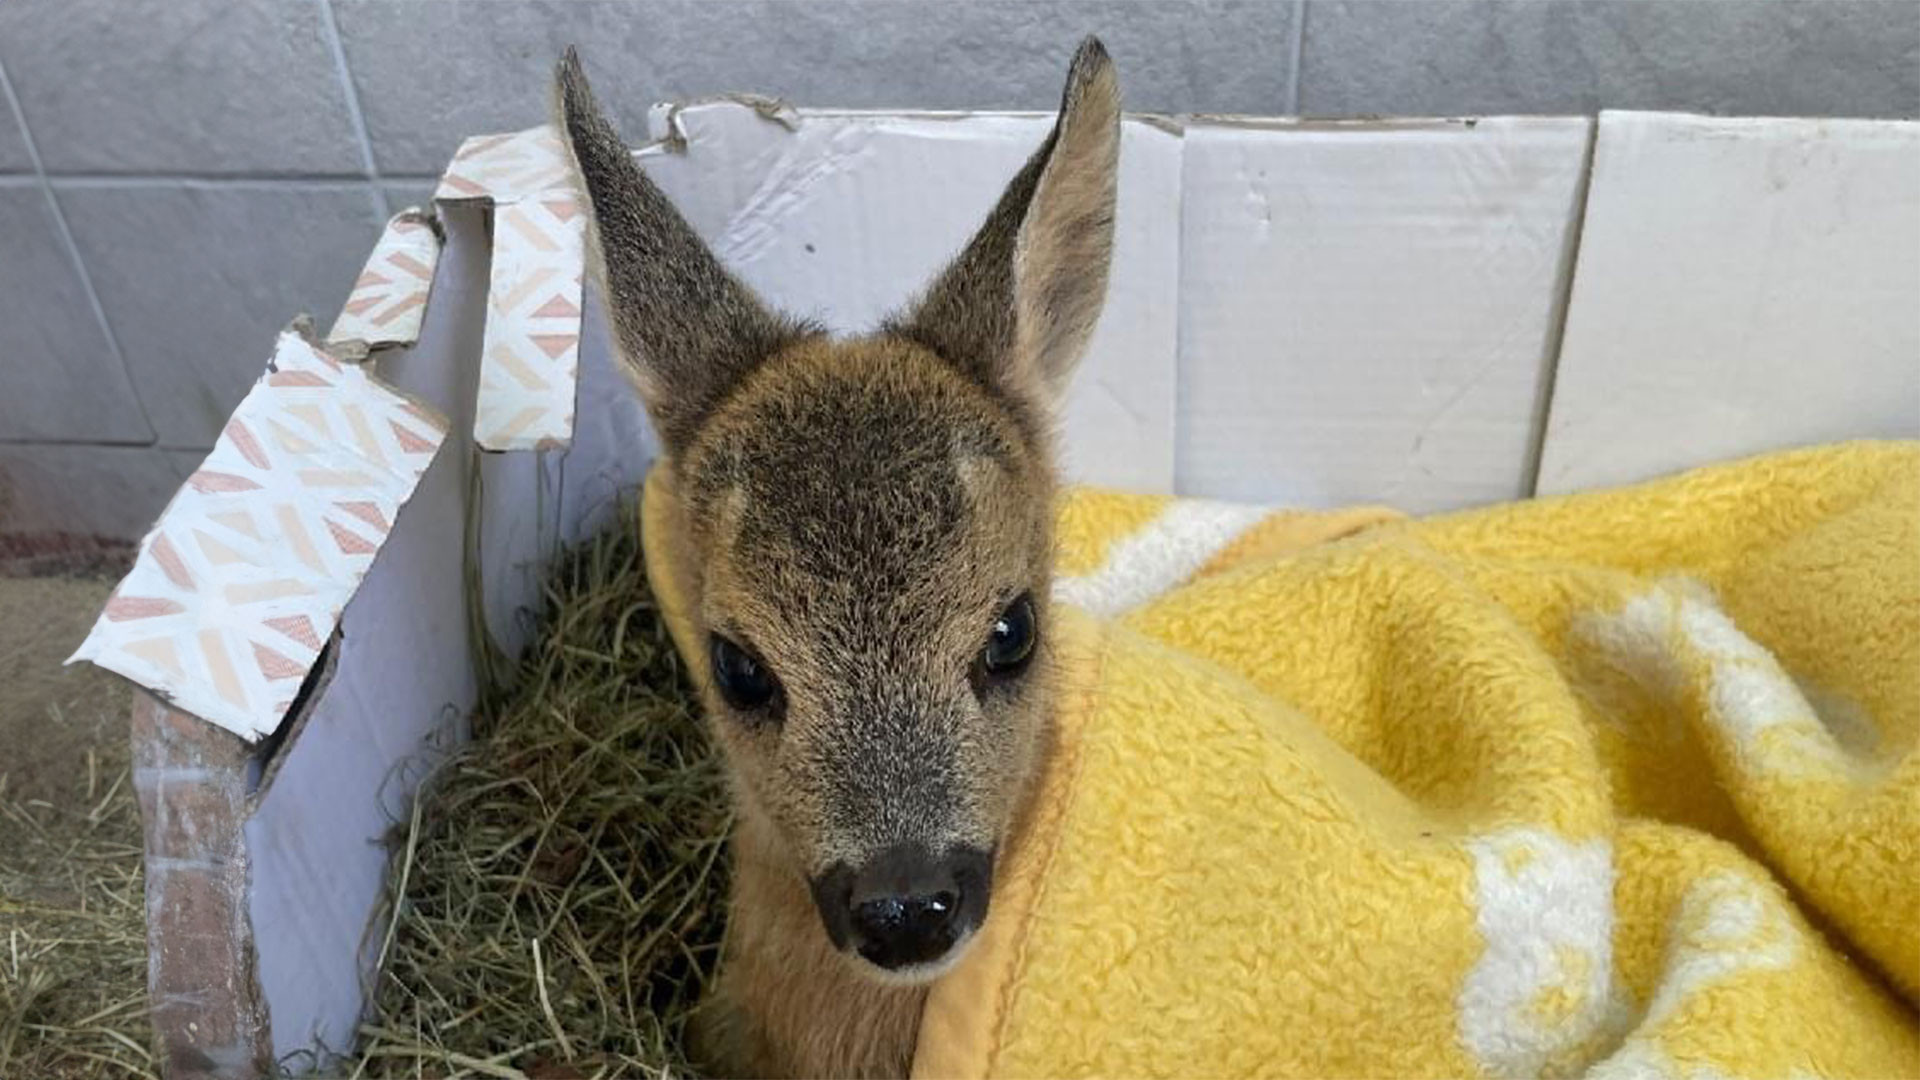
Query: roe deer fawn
[868, 542]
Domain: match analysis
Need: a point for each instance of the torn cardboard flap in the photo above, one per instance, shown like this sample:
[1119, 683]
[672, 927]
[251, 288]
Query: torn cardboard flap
[389, 300]
[530, 354]
[240, 582]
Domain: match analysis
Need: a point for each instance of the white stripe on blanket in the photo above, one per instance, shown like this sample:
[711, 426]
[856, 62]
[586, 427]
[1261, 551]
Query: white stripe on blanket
[1161, 556]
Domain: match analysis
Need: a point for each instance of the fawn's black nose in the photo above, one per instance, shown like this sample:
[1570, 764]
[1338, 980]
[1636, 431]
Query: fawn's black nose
[907, 908]
[901, 931]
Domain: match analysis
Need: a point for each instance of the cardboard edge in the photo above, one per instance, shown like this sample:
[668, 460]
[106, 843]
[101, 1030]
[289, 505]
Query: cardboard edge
[667, 131]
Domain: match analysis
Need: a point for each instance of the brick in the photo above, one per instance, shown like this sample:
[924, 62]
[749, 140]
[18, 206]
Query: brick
[189, 813]
[168, 738]
[208, 1013]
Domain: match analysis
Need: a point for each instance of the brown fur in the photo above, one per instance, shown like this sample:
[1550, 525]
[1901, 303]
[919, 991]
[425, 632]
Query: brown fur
[856, 514]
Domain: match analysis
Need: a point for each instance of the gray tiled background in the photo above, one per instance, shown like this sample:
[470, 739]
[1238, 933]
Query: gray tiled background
[178, 179]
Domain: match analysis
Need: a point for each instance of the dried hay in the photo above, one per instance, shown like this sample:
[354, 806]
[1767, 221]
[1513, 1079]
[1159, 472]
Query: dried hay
[73, 938]
[559, 893]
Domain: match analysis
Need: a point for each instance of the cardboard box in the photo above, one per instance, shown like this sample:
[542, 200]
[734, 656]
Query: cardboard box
[1301, 312]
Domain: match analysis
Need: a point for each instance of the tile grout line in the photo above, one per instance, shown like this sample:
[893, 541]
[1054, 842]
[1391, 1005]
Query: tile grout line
[88, 444]
[209, 180]
[73, 253]
[1299, 54]
[331, 28]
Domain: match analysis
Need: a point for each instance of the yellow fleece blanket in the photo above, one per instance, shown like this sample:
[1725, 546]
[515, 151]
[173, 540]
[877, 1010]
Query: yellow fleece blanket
[1621, 785]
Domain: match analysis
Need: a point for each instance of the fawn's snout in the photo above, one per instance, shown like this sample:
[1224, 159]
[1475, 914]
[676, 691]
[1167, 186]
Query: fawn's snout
[907, 912]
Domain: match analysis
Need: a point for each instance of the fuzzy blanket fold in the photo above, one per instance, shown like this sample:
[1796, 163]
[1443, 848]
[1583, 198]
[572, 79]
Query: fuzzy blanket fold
[1622, 784]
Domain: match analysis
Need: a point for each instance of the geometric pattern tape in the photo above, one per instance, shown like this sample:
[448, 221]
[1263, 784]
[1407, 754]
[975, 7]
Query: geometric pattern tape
[241, 581]
[529, 356]
[530, 351]
[389, 300]
[506, 168]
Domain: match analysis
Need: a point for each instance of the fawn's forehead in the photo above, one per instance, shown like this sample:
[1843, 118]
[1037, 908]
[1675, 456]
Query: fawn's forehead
[865, 457]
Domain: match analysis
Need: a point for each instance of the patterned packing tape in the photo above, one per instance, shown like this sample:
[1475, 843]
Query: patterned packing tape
[244, 576]
[389, 301]
[531, 349]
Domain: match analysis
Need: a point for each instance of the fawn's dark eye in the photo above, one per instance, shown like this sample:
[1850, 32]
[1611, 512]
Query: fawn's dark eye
[1010, 643]
[743, 680]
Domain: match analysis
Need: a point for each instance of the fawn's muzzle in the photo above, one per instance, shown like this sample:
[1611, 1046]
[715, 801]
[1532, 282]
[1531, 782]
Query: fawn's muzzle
[906, 909]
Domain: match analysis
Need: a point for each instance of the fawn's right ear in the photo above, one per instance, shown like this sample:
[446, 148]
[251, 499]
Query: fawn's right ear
[687, 329]
[1015, 309]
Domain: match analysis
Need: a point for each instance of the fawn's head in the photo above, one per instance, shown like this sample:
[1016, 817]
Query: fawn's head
[869, 521]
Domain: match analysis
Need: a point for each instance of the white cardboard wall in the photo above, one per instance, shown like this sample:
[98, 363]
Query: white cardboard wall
[1367, 311]
[1299, 313]
[1743, 285]
[402, 682]
[404, 678]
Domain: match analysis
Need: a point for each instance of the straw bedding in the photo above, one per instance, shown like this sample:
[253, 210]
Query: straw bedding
[73, 948]
[558, 895]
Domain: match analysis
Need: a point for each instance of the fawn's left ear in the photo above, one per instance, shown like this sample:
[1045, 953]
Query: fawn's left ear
[1017, 306]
